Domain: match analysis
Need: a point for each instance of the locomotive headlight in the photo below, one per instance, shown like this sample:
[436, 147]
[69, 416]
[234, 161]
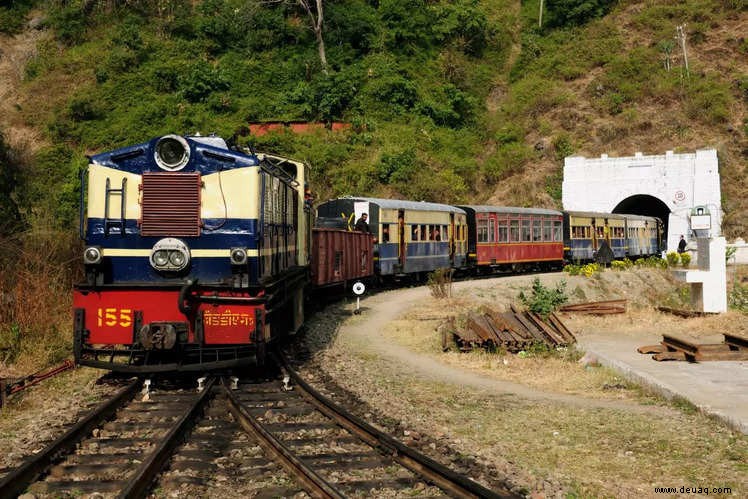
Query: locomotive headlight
[238, 256]
[172, 152]
[170, 254]
[177, 259]
[92, 255]
[161, 258]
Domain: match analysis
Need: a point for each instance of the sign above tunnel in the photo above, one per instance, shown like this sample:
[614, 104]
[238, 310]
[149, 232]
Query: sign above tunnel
[669, 188]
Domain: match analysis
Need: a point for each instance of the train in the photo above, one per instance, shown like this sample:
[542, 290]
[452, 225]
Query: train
[198, 255]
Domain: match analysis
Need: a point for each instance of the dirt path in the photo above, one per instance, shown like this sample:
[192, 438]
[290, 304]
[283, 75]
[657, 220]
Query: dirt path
[385, 307]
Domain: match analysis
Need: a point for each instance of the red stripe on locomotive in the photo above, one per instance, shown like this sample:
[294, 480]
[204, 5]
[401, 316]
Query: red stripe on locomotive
[110, 316]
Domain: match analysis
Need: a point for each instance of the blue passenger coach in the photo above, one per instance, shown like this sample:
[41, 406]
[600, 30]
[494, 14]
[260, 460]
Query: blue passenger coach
[627, 236]
[410, 236]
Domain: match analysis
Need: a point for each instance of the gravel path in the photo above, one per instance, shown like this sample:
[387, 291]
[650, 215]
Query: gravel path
[385, 307]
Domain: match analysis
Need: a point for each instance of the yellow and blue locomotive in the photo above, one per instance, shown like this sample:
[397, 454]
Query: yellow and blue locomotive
[196, 256]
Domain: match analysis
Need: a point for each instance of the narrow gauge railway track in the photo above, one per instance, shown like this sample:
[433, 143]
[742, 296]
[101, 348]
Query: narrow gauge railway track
[335, 454]
[117, 449]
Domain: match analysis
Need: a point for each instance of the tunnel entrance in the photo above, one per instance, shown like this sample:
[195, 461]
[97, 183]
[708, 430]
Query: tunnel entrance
[643, 204]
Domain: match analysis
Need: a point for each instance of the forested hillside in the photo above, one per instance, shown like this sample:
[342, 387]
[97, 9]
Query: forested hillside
[448, 100]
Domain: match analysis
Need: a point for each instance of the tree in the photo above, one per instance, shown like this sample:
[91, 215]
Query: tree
[576, 12]
[316, 18]
[10, 216]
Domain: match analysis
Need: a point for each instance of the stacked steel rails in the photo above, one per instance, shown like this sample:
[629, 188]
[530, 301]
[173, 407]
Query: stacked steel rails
[293, 440]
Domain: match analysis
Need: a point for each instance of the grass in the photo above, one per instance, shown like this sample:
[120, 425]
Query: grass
[595, 452]
[36, 288]
[599, 452]
[623, 442]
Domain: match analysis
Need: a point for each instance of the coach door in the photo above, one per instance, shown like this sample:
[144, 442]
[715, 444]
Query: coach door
[452, 238]
[401, 239]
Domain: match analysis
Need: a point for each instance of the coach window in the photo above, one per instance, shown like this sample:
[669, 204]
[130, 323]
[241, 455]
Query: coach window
[547, 230]
[483, 231]
[503, 231]
[536, 230]
[424, 233]
[558, 231]
[526, 231]
[385, 233]
[514, 231]
[414, 233]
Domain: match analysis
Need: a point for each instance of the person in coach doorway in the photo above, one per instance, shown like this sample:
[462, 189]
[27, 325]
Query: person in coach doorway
[362, 225]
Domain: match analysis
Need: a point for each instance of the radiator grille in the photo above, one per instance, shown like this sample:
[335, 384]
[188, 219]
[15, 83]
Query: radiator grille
[171, 204]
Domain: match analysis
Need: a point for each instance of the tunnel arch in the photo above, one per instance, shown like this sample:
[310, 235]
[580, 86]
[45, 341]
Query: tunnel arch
[644, 204]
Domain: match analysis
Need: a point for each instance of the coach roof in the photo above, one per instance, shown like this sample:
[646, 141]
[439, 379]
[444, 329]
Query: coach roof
[511, 209]
[398, 204]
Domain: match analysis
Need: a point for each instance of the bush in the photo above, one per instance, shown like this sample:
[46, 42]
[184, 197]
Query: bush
[737, 298]
[586, 270]
[624, 264]
[576, 12]
[654, 262]
[440, 283]
[672, 258]
[13, 17]
[685, 259]
[544, 300]
[10, 175]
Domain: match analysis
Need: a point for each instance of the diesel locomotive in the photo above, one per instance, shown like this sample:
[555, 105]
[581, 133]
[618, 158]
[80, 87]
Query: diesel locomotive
[196, 256]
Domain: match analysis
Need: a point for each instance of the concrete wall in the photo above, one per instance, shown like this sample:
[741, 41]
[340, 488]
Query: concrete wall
[680, 181]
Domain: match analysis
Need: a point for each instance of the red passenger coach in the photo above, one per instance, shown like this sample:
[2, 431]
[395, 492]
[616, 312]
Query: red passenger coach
[501, 236]
[341, 256]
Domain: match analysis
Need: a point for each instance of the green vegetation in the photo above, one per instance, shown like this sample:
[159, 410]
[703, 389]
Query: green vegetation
[449, 101]
[672, 258]
[737, 298]
[685, 259]
[543, 300]
[587, 270]
[440, 283]
[416, 79]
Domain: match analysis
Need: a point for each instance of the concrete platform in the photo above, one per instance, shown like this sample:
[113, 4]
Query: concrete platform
[718, 388]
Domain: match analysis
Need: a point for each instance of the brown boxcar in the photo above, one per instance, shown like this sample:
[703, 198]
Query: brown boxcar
[341, 256]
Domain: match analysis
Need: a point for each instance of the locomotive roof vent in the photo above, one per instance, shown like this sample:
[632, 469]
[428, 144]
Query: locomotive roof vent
[172, 153]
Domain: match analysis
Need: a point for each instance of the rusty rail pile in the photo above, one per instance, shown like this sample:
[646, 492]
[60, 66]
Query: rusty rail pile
[513, 331]
[733, 347]
[686, 314]
[597, 307]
